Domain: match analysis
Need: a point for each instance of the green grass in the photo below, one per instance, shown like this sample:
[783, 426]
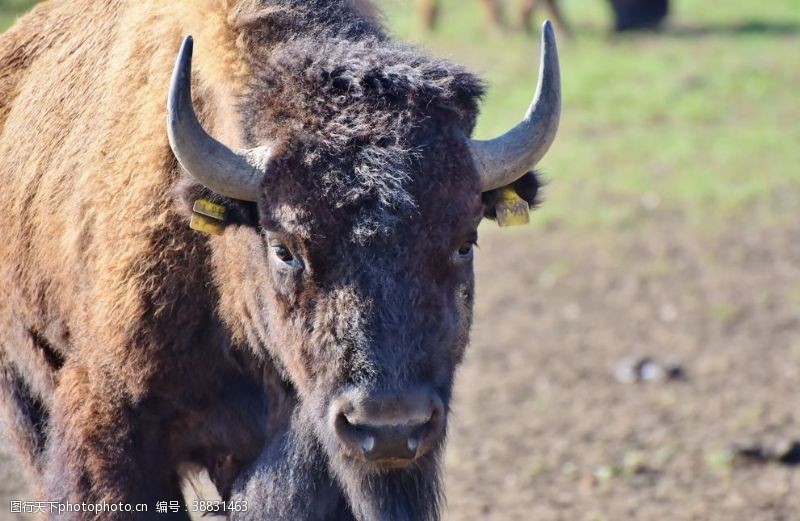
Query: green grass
[703, 117]
[11, 9]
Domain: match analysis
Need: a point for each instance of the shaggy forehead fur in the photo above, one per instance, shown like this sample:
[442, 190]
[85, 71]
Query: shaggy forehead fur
[357, 115]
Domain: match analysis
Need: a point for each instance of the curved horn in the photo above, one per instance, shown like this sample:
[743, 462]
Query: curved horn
[232, 173]
[504, 159]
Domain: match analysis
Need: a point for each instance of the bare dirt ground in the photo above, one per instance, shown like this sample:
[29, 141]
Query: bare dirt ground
[542, 430]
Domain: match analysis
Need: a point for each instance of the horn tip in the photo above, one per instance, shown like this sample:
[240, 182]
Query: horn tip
[548, 38]
[188, 44]
[548, 32]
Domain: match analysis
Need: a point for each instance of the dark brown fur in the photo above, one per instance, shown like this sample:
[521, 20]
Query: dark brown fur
[131, 345]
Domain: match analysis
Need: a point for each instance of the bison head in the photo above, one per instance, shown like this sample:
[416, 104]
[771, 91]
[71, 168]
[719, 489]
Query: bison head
[357, 280]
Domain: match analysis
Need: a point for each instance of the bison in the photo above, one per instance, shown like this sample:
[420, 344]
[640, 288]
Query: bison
[638, 14]
[429, 9]
[628, 14]
[301, 350]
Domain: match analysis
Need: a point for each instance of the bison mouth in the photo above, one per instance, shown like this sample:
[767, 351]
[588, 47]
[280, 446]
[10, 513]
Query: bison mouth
[393, 463]
[400, 490]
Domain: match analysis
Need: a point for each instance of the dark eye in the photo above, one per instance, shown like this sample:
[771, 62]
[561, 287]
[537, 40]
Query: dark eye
[284, 254]
[465, 250]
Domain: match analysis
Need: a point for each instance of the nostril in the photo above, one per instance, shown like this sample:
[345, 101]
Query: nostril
[356, 438]
[413, 443]
[346, 420]
[423, 431]
[368, 443]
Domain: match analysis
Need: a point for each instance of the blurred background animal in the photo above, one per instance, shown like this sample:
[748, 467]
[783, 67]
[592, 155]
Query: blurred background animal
[495, 13]
[627, 14]
[638, 14]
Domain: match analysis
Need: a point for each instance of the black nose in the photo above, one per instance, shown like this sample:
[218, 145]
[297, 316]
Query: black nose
[392, 429]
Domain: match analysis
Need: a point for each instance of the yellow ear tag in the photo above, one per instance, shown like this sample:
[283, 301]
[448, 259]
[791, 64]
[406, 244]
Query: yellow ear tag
[210, 209]
[208, 217]
[512, 210]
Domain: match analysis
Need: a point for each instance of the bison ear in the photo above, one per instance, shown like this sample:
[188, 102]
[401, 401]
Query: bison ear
[526, 187]
[187, 192]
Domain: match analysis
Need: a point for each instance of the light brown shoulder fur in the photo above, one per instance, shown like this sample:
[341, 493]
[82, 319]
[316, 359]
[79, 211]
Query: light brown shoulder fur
[94, 250]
